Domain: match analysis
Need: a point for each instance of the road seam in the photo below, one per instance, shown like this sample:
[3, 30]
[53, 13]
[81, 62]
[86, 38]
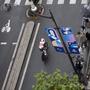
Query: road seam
[25, 69]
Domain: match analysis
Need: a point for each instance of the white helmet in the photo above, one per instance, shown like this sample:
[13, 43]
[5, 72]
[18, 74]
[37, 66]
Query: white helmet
[42, 40]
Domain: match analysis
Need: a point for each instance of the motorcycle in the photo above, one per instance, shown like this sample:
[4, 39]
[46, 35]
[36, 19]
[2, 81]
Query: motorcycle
[44, 55]
[43, 46]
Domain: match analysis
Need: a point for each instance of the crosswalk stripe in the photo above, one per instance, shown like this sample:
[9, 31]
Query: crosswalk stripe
[49, 1]
[84, 1]
[60, 1]
[27, 2]
[40, 2]
[72, 2]
[17, 2]
[7, 1]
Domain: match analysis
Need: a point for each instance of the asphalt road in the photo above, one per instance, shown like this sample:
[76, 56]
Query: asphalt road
[8, 39]
[65, 15]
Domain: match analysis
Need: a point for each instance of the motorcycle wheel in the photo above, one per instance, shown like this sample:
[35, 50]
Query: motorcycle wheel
[44, 58]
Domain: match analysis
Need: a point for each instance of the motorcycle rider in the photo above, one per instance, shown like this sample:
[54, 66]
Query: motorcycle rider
[43, 48]
[42, 44]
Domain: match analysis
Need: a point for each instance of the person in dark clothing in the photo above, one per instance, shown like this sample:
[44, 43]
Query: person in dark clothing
[88, 35]
[86, 20]
[83, 27]
[78, 66]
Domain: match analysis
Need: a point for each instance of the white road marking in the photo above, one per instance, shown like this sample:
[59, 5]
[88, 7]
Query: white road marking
[32, 46]
[7, 27]
[17, 2]
[72, 2]
[60, 1]
[14, 43]
[8, 24]
[27, 2]
[84, 1]
[3, 29]
[15, 50]
[7, 1]
[49, 1]
[40, 2]
[3, 43]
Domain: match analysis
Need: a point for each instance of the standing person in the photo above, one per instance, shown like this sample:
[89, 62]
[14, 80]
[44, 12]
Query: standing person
[88, 42]
[88, 36]
[87, 54]
[81, 38]
[78, 66]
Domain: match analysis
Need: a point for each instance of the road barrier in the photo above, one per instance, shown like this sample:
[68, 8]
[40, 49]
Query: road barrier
[14, 74]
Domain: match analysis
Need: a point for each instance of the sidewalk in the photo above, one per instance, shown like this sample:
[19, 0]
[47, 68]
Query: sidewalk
[86, 54]
[88, 86]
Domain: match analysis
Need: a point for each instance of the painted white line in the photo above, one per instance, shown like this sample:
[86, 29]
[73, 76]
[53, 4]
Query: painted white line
[49, 1]
[84, 2]
[3, 43]
[8, 23]
[60, 1]
[17, 2]
[3, 29]
[40, 2]
[10, 65]
[7, 27]
[27, 2]
[72, 2]
[25, 69]
[7, 1]
[14, 43]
